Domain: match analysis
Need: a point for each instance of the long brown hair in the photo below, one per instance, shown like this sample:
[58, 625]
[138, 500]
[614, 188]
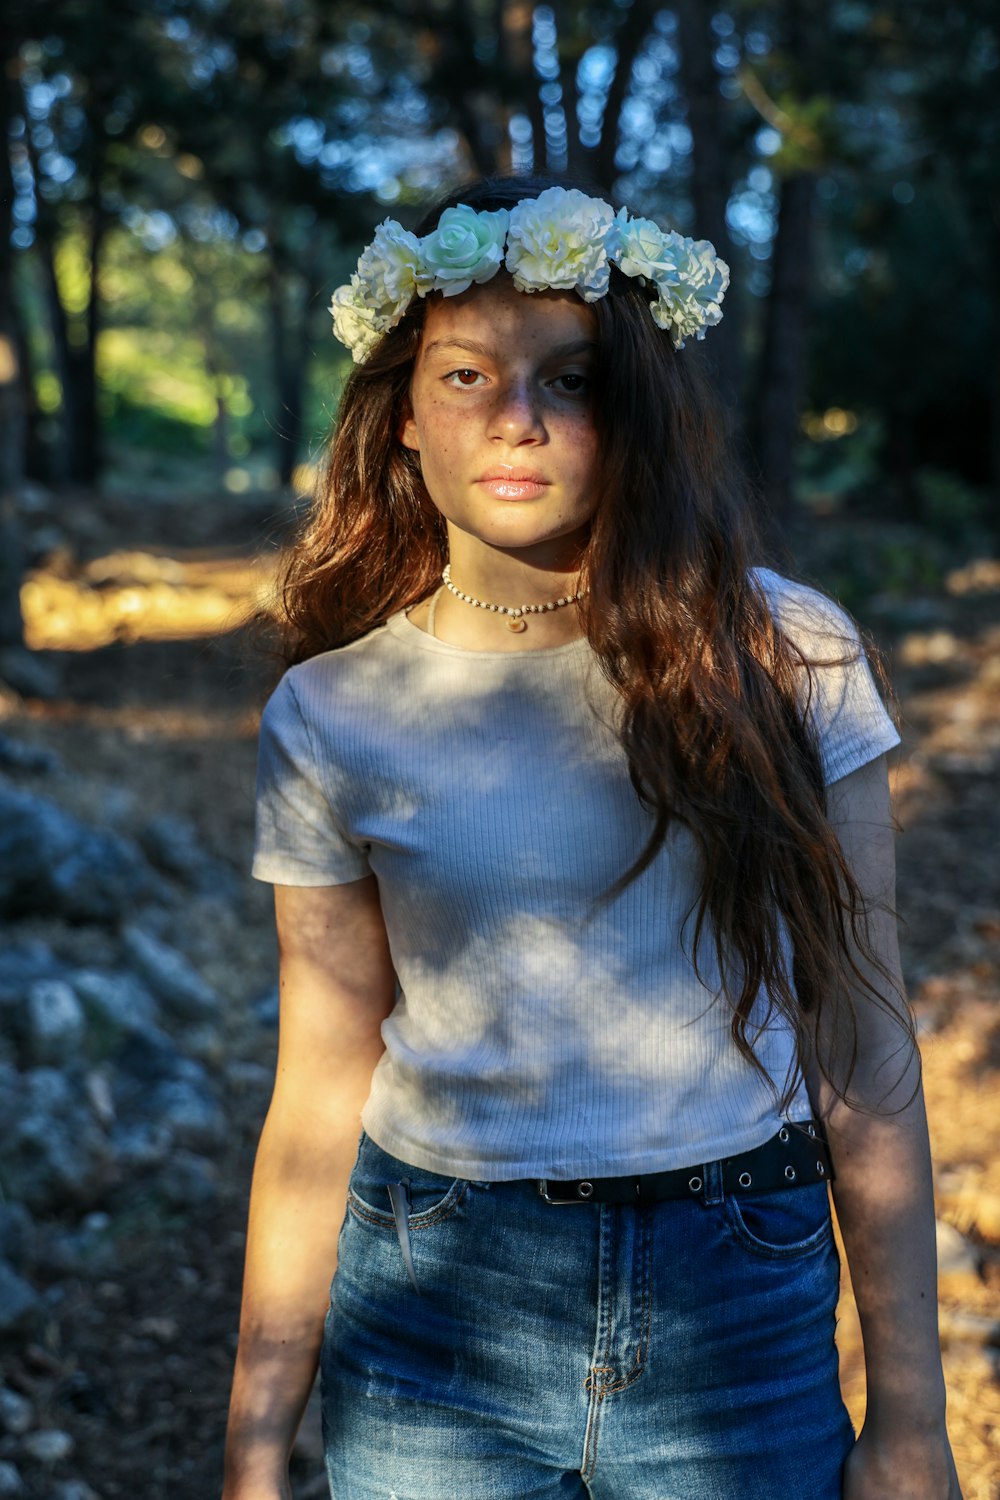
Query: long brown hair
[712, 718]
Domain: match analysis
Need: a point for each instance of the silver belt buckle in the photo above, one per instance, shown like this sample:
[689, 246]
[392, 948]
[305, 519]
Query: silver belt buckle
[543, 1192]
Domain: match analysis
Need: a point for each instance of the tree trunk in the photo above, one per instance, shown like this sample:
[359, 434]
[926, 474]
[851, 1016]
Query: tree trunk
[628, 42]
[779, 377]
[710, 179]
[12, 415]
[288, 356]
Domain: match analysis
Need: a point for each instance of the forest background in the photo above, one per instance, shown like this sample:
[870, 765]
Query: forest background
[184, 184]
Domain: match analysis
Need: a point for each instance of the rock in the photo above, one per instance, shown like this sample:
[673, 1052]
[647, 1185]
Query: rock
[50, 1445]
[172, 844]
[17, 1232]
[52, 863]
[55, 1023]
[188, 1180]
[266, 1008]
[55, 1153]
[141, 1145]
[11, 1483]
[15, 755]
[115, 1004]
[170, 977]
[16, 1412]
[28, 673]
[19, 1302]
[190, 1113]
[21, 964]
[74, 1489]
[956, 1257]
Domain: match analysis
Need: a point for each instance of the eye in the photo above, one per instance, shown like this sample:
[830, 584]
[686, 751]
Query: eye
[464, 378]
[573, 383]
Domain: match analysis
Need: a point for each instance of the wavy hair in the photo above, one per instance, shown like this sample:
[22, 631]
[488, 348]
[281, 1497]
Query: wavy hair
[713, 695]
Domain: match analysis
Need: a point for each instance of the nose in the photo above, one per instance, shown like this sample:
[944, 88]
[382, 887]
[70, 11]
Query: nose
[516, 415]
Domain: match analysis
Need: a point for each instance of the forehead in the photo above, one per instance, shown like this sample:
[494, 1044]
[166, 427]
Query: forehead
[497, 314]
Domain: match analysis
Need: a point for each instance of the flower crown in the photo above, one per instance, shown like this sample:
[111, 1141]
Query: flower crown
[561, 240]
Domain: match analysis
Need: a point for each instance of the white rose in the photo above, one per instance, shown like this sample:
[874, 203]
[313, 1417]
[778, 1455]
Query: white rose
[559, 240]
[355, 323]
[638, 246]
[390, 270]
[465, 247]
[692, 281]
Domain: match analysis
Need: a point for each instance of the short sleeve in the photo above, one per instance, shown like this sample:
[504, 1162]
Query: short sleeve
[839, 694]
[298, 840]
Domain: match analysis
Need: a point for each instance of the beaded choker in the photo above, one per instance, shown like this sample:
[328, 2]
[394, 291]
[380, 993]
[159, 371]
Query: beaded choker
[514, 613]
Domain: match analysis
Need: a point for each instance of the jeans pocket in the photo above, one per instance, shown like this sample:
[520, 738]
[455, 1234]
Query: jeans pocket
[432, 1197]
[783, 1224]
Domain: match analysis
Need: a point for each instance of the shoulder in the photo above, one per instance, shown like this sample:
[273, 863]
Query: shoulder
[810, 619]
[331, 675]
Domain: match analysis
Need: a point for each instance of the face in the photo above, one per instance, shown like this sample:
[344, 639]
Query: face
[502, 417]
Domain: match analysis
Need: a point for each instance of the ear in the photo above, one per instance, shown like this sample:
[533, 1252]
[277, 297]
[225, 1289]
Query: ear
[407, 434]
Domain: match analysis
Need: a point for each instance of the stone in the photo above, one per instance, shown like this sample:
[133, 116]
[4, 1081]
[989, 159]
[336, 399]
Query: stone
[73, 1489]
[170, 977]
[50, 1445]
[191, 1114]
[16, 1412]
[17, 1233]
[15, 755]
[11, 1483]
[19, 1302]
[29, 673]
[266, 1008]
[56, 1155]
[188, 1180]
[172, 844]
[55, 1023]
[21, 964]
[115, 1004]
[51, 863]
[956, 1257]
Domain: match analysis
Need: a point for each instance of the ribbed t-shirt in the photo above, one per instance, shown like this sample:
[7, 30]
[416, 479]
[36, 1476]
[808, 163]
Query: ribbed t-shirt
[538, 1030]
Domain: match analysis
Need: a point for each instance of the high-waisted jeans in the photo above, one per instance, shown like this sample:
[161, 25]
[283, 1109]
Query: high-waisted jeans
[680, 1351]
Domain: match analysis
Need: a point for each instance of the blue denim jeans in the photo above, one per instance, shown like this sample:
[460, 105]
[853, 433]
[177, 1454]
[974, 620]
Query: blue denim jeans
[681, 1351]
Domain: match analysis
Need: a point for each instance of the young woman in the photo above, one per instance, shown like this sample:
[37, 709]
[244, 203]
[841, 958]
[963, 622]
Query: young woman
[579, 829]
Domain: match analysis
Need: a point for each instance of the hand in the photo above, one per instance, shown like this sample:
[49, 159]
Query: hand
[901, 1466]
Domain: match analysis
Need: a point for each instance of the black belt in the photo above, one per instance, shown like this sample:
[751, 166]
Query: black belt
[796, 1157]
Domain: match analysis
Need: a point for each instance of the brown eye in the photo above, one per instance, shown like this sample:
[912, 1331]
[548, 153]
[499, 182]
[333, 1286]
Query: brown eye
[467, 377]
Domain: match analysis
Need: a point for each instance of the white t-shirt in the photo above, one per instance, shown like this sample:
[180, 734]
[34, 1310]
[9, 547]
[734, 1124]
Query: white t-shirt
[537, 1031]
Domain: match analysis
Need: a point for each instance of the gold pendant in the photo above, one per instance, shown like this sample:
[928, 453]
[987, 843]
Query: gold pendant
[517, 623]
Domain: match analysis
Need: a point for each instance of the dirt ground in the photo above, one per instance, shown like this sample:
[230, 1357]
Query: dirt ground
[136, 1365]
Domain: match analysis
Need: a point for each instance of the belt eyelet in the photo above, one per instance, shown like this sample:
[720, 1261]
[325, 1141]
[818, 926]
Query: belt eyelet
[745, 1179]
[790, 1173]
[821, 1169]
[585, 1190]
[694, 1183]
[811, 1130]
[783, 1136]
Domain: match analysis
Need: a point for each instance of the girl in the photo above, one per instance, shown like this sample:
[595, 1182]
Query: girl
[579, 829]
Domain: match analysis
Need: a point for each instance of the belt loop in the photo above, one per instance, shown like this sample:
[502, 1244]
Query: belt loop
[712, 1173]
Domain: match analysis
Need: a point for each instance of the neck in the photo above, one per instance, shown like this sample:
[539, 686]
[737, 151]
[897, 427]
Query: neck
[535, 577]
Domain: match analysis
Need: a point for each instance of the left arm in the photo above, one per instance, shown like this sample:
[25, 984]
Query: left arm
[883, 1190]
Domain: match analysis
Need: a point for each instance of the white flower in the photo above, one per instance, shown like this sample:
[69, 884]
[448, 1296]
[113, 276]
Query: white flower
[465, 247]
[692, 281]
[355, 323]
[390, 270]
[638, 247]
[559, 240]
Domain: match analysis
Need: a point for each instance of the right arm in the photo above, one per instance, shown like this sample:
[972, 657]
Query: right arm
[337, 985]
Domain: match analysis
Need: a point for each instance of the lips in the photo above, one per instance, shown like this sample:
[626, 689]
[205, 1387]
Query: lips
[506, 483]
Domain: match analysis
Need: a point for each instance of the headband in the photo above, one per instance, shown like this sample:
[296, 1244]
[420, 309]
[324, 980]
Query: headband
[562, 240]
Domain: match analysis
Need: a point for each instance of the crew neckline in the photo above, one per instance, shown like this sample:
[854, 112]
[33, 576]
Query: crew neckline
[401, 626]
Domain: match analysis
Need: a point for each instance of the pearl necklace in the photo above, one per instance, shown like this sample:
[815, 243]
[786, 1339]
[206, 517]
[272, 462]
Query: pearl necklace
[515, 613]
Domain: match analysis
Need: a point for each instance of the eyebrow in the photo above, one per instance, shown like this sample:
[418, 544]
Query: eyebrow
[473, 346]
